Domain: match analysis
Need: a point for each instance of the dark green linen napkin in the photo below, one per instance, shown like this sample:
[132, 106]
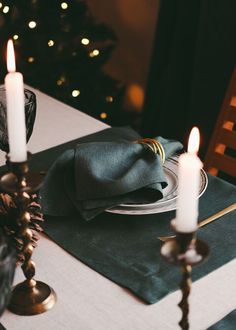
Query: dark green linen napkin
[227, 323]
[105, 172]
[125, 249]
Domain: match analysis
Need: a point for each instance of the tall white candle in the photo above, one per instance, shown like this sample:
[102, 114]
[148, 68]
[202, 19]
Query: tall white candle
[188, 189]
[15, 108]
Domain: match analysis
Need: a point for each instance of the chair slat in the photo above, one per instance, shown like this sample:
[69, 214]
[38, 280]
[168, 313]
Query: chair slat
[232, 114]
[224, 135]
[224, 164]
[228, 138]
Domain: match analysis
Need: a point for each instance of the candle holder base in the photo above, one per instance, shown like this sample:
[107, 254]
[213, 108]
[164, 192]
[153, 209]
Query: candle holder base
[31, 298]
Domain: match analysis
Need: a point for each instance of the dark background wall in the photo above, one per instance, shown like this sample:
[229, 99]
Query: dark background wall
[134, 22]
[193, 59]
[181, 52]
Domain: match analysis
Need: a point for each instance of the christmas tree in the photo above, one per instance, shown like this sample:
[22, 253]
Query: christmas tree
[61, 49]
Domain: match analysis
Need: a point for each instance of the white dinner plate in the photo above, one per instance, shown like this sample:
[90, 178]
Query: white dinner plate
[168, 202]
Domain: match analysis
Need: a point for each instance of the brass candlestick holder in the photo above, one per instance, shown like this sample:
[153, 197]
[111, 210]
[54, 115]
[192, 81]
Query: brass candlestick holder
[29, 297]
[185, 250]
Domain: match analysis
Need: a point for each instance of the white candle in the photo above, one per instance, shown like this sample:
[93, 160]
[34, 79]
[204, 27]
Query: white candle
[188, 189]
[15, 109]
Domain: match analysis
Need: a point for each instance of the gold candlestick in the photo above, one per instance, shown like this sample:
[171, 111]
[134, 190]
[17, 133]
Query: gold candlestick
[185, 250]
[29, 297]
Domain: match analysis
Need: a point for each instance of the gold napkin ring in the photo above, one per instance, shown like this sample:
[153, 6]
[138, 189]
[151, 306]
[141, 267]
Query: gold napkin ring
[155, 146]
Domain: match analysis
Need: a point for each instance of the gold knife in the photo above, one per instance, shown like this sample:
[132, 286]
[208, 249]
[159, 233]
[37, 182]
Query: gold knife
[204, 222]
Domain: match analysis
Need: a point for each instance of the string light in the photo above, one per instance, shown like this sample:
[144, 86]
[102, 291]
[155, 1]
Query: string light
[5, 9]
[103, 115]
[50, 43]
[94, 53]
[75, 93]
[109, 99]
[85, 41]
[61, 81]
[64, 5]
[31, 59]
[135, 96]
[32, 24]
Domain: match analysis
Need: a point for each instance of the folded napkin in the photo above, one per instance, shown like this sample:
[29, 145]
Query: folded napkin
[108, 171]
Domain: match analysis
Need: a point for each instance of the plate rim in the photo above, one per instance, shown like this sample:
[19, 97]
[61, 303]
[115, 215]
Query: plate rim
[157, 207]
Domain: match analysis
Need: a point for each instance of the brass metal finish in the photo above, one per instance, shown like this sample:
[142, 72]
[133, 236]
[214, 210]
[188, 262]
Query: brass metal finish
[9, 182]
[185, 250]
[29, 297]
[185, 286]
[205, 222]
[155, 146]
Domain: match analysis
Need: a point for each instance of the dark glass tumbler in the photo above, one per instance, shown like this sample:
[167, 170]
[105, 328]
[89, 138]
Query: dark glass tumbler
[7, 270]
[30, 113]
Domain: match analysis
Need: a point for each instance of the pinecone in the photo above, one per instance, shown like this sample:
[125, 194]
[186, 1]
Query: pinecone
[8, 216]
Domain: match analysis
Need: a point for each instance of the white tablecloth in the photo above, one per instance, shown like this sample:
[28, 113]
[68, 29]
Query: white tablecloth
[86, 299]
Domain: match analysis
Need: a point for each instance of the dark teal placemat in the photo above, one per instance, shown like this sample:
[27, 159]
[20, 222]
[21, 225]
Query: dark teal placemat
[227, 323]
[125, 249]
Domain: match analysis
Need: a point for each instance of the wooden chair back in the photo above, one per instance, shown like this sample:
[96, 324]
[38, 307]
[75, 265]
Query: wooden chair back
[221, 153]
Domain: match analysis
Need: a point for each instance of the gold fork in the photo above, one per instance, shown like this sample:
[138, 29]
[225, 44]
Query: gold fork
[206, 221]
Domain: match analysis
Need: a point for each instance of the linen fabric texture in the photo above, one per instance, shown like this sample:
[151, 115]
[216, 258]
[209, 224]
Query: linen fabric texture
[109, 170]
